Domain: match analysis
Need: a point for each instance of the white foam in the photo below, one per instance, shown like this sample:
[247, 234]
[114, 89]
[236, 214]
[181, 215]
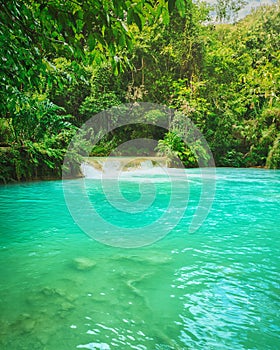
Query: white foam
[113, 169]
[90, 172]
[94, 346]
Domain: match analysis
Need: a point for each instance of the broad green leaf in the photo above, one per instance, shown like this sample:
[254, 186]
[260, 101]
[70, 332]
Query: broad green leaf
[181, 7]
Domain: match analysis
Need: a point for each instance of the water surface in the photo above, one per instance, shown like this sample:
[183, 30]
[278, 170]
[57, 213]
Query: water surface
[217, 288]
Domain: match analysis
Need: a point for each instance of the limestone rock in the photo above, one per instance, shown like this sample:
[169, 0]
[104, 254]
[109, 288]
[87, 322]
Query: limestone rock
[83, 263]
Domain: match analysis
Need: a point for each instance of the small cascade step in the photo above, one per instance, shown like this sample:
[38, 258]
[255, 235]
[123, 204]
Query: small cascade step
[95, 167]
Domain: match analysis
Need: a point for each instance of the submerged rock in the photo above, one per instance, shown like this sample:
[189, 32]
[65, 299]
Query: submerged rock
[83, 264]
[4, 329]
[24, 324]
[67, 306]
[155, 259]
[28, 325]
[43, 338]
[52, 292]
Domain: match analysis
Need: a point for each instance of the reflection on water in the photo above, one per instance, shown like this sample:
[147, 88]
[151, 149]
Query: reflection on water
[215, 289]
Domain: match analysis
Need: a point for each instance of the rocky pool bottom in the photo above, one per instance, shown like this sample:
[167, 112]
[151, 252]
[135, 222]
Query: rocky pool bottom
[217, 288]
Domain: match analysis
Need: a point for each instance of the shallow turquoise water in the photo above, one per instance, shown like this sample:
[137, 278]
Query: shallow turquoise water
[217, 288]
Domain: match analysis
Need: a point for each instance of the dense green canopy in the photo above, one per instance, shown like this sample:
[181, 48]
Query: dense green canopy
[64, 61]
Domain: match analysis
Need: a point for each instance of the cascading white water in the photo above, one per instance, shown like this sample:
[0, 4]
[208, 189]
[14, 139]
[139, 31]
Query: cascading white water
[89, 171]
[146, 164]
[96, 167]
[111, 166]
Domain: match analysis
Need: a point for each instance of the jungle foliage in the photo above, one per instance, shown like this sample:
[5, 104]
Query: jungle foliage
[62, 63]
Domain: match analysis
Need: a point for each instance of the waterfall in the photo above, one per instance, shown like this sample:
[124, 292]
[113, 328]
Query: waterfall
[89, 171]
[96, 167]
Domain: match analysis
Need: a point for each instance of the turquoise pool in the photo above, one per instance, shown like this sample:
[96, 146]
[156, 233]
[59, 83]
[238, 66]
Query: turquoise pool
[216, 288]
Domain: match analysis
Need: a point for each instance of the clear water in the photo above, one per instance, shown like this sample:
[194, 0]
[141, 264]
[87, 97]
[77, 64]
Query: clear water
[215, 289]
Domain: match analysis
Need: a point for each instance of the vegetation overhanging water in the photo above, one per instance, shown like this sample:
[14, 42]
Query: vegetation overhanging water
[58, 72]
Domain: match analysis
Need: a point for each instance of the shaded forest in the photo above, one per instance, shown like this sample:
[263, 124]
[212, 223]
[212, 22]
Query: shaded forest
[63, 64]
